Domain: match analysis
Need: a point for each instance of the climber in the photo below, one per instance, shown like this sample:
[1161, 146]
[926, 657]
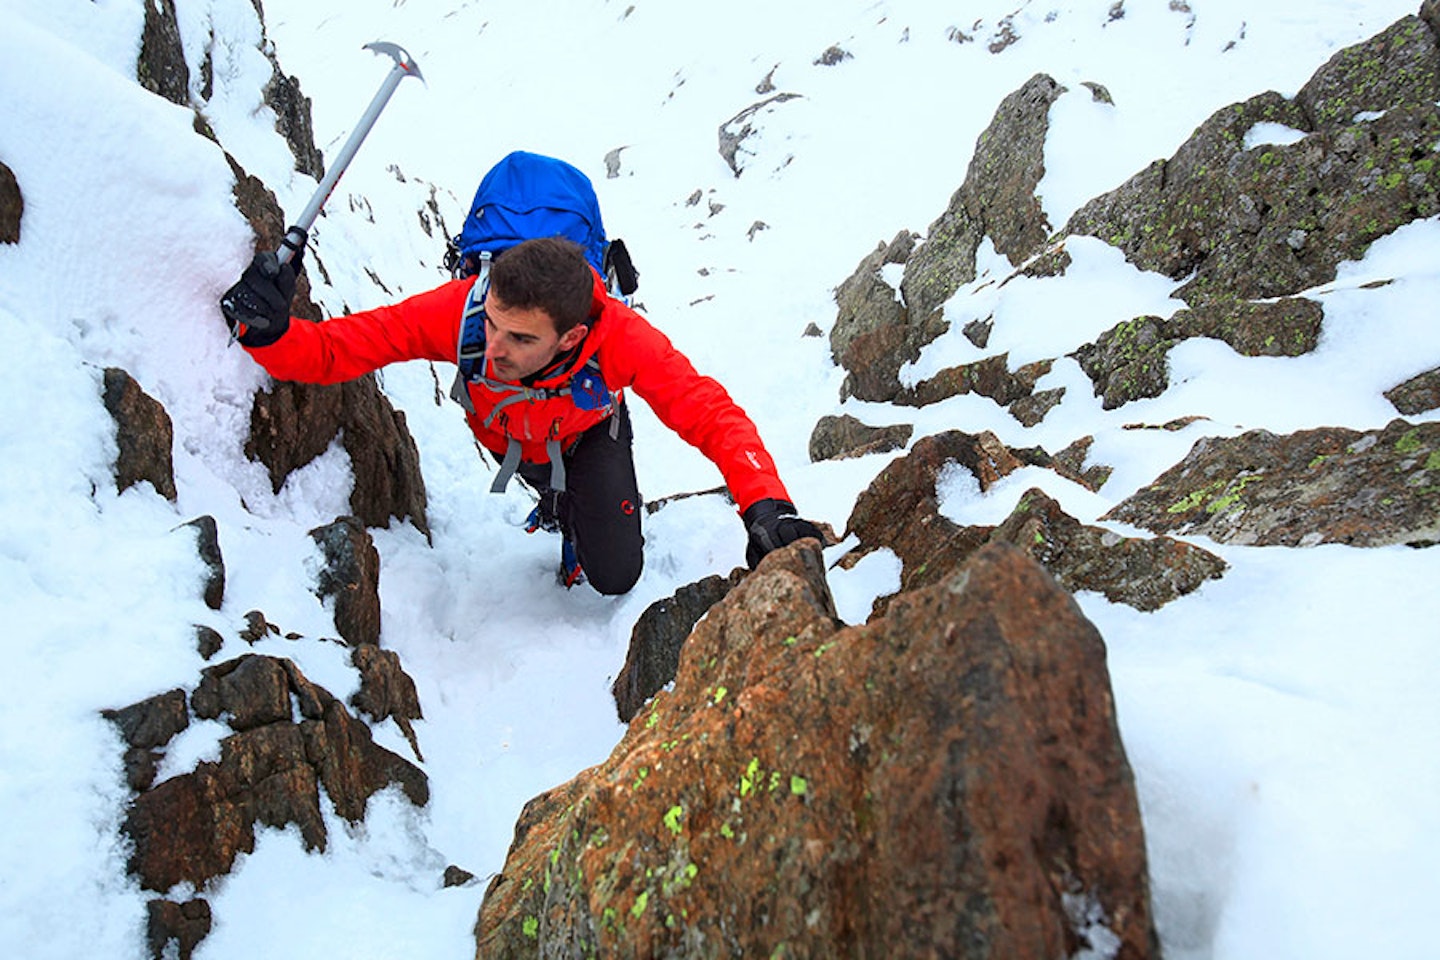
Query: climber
[549, 365]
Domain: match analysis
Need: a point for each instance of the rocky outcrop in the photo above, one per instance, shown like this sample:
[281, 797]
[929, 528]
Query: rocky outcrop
[144, 435]
[947, 781]
[996, 200]
[207, 544]
[190, 828]
[1331, 485]
[12, 206]
[877, 332]
[900, 511]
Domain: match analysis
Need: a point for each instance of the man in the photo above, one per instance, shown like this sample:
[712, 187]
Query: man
[550, 328]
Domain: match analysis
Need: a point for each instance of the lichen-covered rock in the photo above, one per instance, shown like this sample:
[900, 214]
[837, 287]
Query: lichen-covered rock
[1329, 485]
[1420, 394]
[1145, 573]
[996, 200]
[1260, 221]
[948, 781]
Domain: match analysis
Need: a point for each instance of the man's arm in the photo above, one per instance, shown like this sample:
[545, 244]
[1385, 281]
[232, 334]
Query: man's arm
[422, 327]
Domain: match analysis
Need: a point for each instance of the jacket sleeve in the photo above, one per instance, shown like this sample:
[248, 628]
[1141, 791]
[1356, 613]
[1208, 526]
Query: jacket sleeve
[423, 327]
[695, 406]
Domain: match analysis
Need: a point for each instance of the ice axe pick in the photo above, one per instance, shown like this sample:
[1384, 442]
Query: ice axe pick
[405, 66]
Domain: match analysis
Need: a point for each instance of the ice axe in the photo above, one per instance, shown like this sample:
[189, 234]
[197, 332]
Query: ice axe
[405, 66]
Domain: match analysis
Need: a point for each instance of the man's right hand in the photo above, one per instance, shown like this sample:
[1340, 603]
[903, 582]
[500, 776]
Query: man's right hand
[257, 307]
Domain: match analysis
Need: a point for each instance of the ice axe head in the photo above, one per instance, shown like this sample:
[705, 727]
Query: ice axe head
[402, 59]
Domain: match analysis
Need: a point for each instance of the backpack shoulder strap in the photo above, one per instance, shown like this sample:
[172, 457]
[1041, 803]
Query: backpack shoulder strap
[470, 346]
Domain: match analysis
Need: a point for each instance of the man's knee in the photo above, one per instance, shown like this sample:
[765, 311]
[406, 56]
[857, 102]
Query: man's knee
[614, 578]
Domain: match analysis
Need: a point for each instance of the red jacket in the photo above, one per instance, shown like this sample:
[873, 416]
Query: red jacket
[631, 354]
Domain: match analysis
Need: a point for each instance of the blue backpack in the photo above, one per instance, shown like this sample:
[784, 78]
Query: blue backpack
[526, 196]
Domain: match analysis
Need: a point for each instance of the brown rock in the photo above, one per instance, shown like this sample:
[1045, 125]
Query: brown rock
[1330, 485]
[191, 827]
[1143, 573]
[655, 642]
[947, 781]
[1420, 394]
[351, 577]
[843, 437]
[207, 541]
[184, 924]
[161, 68]
[143, 433]
[386, 691]
[12, 206]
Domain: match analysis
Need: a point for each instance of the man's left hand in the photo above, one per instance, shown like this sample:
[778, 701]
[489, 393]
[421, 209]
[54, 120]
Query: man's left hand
[772, 524]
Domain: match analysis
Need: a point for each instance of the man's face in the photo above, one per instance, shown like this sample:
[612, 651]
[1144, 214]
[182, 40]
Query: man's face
[519, 342]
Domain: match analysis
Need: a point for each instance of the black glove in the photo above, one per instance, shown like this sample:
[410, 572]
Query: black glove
[772, 524]
[257, 307]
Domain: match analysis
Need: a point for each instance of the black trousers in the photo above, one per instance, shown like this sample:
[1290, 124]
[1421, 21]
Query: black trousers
[599, 509]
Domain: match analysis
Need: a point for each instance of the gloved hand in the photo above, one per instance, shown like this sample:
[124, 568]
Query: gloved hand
[772, 524]
[257, 307]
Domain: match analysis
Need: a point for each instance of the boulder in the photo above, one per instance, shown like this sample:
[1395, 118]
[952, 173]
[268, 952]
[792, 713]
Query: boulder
[183, 924]
[947, 781]
[996, 200]
[144, 435]
[1328, 485]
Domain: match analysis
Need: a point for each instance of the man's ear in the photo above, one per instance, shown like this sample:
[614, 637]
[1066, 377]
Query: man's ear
[572, 337]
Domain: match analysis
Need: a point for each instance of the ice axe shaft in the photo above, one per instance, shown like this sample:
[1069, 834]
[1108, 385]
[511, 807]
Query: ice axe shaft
[405, 66]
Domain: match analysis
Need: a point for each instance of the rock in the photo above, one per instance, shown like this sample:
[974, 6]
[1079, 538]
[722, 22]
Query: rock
[948, 781]
[1129, 361]
[734, 132]
[1420, 394]
[997, 200]
[208, 641]
[143, 433]
[1398, 66]
[184, 924]
[1328, 485]
[990, 377]
[866, 301]
[386, 691]
[351, 578]
[161, 68]
[207, 535]
[1143, 573]
[900, 511]
[655, 641]
[146, 726]
[12, 206]
[189, 828]
[1070, 463]
[1274, 220]
[844, 437]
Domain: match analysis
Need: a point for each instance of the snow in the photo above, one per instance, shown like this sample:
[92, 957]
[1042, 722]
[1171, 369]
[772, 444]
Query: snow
[1280, 721]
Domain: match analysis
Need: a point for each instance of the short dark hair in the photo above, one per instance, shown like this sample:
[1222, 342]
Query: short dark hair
[550, 273]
